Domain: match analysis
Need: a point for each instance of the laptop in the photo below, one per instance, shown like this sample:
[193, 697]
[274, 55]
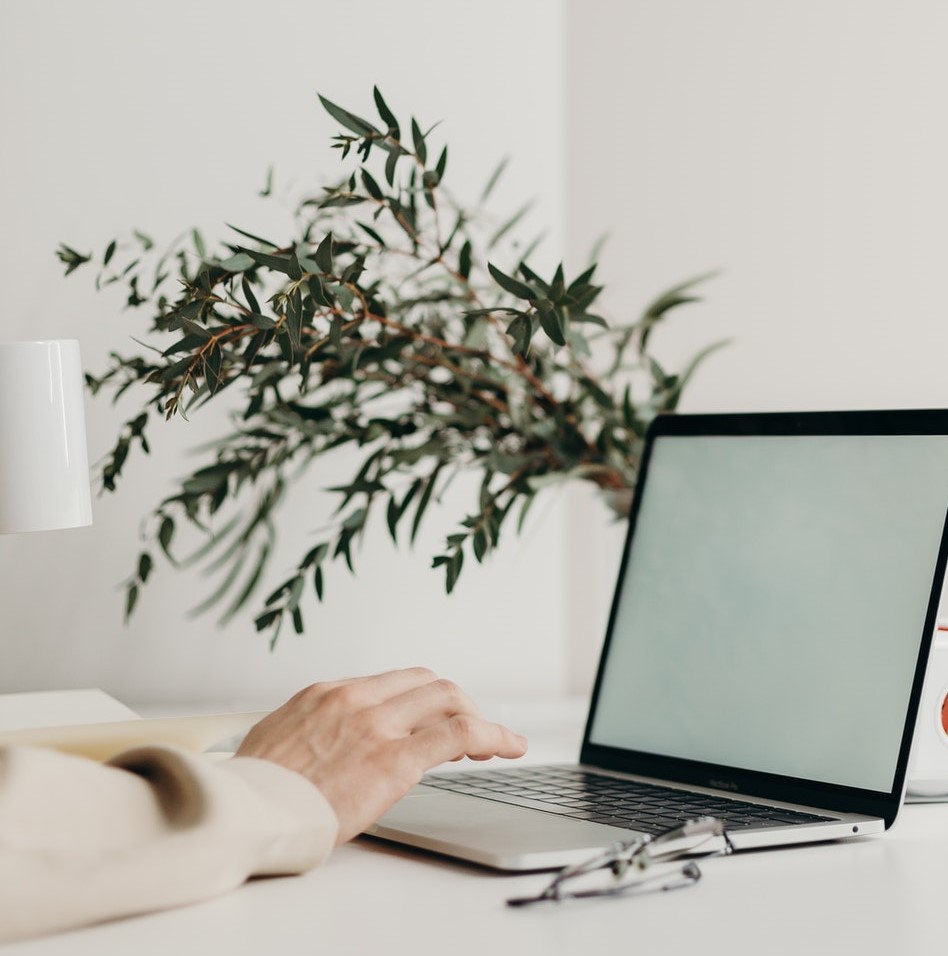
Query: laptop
[765, 651]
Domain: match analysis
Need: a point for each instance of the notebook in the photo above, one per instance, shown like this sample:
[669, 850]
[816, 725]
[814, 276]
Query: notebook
[90, 723]
[765, 651]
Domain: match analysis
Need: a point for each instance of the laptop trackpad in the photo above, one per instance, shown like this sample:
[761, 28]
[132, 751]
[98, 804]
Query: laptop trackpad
[494, 834]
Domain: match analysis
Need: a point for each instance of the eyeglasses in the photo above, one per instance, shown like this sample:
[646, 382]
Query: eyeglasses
[647, 863]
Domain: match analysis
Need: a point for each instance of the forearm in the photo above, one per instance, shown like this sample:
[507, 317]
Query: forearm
[82, 842]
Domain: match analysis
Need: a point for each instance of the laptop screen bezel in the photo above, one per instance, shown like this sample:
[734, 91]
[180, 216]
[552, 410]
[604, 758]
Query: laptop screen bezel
[786, 789]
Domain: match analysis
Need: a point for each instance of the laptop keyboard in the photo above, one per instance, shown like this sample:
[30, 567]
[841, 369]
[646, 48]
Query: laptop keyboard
[630, 804]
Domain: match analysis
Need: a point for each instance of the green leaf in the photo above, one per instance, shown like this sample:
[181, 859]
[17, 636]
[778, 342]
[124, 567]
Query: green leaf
[345, 296]
[278, 263]
[524, 511]
[250, 235]
[318, 293]
[464, 260]
[371, 185]
[453, 570]
[353, 271]
[344, 547]
[429, 181]
[578, 343]
[356, 519]
[213, 360]
[388, 117]
[521, 331]
[295, 269]
[274, 596]
[581, 279]
[314, 556]
[372, 234]
[513, 286]
[131, 599]
[675, 295]
[349, 120]
[294, 318]
[590, 318]
[390, 164]
[421, 150]
[323, 255]
[240, 262]
[628, 410]
[338, 202]
[145, 564]
[669, 300]
[480, 544]
[165, 534]
[186, 344]
[531, 276]
[71, 258]
[423, 502]
[551, 321]
[295, 593]
[109, 252]
[391, 518]
[335, 331]
[266, 619]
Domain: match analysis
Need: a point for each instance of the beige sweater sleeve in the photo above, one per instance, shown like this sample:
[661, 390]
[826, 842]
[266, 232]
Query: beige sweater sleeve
[82, 842]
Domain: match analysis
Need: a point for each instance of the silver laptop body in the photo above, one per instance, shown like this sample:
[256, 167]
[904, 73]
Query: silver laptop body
[767, 643]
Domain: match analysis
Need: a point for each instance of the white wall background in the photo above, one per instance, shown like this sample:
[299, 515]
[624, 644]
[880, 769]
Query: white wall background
[158, 116]
[796, 145]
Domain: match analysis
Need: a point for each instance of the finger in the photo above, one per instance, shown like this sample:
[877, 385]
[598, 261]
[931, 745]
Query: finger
[459, 736]
[424, 706]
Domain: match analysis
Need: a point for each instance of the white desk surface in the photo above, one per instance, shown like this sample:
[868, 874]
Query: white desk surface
[875, 895]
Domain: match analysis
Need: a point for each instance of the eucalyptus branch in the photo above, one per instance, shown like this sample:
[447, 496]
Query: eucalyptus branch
[378, 326]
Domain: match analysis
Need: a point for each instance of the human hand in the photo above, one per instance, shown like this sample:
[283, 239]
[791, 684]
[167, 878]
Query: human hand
[366, 742]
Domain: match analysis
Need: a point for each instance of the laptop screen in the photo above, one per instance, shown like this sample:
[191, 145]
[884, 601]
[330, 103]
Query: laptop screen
[774, 601]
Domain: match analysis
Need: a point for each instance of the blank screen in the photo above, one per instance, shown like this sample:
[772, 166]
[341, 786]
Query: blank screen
[774, 601]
